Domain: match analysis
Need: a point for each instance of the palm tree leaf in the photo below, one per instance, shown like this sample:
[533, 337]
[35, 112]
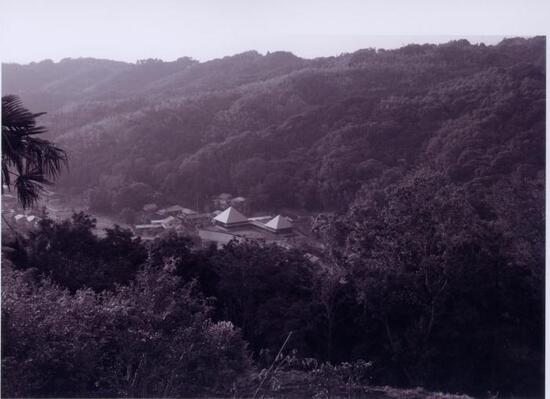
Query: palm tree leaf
[29, 187]
[44, 156]
[16, 118]
[30, 158]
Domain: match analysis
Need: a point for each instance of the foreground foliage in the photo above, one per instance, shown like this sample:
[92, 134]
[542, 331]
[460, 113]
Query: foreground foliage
[151, 338]
[71, 255]
[453, 293]
[427, 288]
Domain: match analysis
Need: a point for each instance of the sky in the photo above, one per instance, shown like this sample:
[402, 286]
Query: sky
[128, 30]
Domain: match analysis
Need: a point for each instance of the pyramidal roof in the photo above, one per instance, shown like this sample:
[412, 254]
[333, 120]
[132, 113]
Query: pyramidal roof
[278, 223]
[230, 216]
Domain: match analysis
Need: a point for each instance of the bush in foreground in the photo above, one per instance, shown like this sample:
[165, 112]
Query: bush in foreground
[151, 338]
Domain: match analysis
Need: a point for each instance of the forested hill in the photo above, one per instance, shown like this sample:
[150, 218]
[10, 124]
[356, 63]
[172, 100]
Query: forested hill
[291, 132]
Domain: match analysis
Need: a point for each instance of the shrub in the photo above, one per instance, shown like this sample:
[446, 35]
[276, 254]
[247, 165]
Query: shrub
[151, 338]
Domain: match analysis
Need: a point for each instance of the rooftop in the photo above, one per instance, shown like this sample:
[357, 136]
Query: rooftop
[262, 219]
[231, 216]
[279, 223]
[173, 208]
[163, 221]
[148, 226]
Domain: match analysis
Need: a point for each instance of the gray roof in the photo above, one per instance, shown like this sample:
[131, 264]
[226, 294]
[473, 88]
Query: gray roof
[231, 216]
[279, 223]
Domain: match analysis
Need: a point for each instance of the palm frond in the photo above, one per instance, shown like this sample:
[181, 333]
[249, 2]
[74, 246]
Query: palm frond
[33, 160]
[15, 117]
[29, 187]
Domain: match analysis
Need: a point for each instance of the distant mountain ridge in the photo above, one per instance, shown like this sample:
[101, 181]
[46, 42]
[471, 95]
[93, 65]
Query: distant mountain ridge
[287, 131]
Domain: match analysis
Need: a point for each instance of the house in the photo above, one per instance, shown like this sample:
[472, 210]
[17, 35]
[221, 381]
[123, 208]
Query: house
[230, 218]
[279, 225]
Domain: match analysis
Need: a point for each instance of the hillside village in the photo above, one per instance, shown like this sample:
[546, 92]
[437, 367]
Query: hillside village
[226, 222]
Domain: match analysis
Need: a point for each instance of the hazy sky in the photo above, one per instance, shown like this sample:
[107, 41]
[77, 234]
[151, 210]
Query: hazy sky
[32, 30]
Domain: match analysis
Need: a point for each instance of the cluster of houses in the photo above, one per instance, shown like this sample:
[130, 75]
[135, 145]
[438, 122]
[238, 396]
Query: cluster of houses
[183, 219]
[233, 225]
[226, 223]
[219, 227]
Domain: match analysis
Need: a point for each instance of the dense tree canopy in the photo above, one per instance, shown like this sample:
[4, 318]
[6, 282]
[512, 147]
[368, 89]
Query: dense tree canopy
[282, 130]
[71, 255]
[442, 289]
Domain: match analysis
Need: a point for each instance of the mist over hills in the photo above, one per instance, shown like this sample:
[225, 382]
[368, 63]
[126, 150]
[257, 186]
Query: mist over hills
[286, 131]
